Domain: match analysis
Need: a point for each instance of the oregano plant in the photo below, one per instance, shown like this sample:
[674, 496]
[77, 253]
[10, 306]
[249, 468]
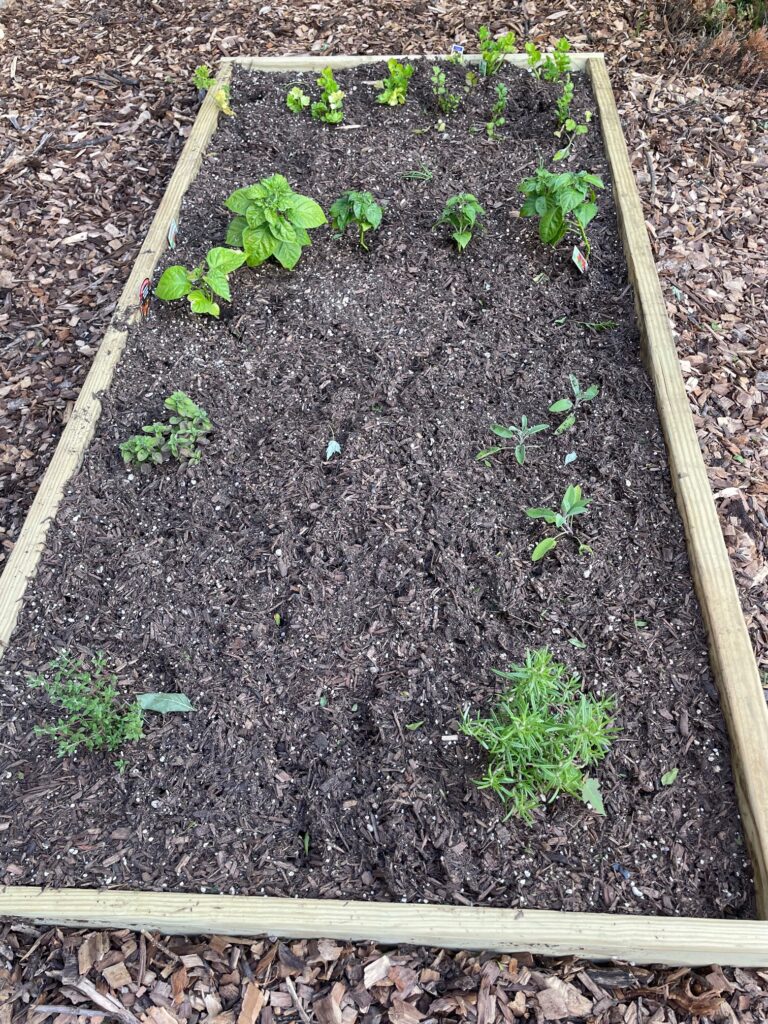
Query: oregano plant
[176, 438]
[199, 285]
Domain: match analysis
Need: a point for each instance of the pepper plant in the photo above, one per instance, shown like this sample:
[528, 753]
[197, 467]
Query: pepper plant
[462, 212]
[204, 80]
[573, 504]
[493, 51]
[272, 220]
[330, 106]
[359, 208]
[176, 438]
[394, 89]
[563, 203]
[519, 434]
[570, 405]
[199, 285]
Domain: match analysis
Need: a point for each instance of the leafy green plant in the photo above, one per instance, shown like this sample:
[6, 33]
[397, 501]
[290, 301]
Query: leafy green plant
[210, 278]
[330, 106]
[394, 89]
[177, 438]
[297, 100]
[519, 434]
[204, 80]
[493, 51]
[447, 101]
[552, 67]
[570, 405]
[541, 735]
[462, 212]
[95, 716]
[563, 203]
[272, 220]
[571, 129]
[573, 504]
[498, 110]
[359, 208]
[563, 103]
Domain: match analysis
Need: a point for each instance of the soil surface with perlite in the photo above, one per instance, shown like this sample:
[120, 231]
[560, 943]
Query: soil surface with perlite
[314, 611]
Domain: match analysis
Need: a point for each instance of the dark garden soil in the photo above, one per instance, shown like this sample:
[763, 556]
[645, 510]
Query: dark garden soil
[400, 570]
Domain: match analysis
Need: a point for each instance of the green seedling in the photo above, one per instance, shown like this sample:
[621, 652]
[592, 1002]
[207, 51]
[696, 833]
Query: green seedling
[573, 504]
[422, 173]
[297, 100]
[332, 448]
[178, 438]
[413, 726]
[202, 283]
[552, 67]
[563, 203]
[272, 220]
[330, 106]
[493, 51]
[570, 129]
[447, 101]
[541, 735]
[570, 405]
[358, 208]
[204, 80]
[519, 434]
[498, 111]
[471, 81]
[462, 212]
[564, 100]
[95, 716]
[394, 90]
[596, 326]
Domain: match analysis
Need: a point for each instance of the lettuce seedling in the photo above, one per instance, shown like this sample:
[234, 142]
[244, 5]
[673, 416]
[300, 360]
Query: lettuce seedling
[272, 220]
[572, 505]
[177, 438]
[563, 203]
[493, 51]
[570, 405]
[200, 285]
[394, 89]
[498, 110]
[552, 67]
[358, 208]
[330, 106]
[519, 434]
[447, 101]
[462, 212]
[204, 80]
[297, 100]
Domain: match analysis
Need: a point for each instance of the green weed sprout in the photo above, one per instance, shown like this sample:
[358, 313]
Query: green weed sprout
[498, 111]
[359, 208]
[462, 212]
[203, 79]
[563, 203]
[330, 106]
[447, 101]
[570, 405]
[297, 100]
[573, 504]
[202, 283]
[394, 89]
[493, 51]
[519, 434]
[178, 438]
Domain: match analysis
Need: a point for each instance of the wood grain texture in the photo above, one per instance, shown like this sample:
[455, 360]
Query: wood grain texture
[731, 655]
[660, 940]
[77, 434]
[305, 62]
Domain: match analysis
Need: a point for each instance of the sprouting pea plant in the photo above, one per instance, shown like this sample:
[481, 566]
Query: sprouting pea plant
[519, 434]
[204, 80]
[493, 51]
[394, 89]
[297, 100]
[563, 203]
[272, 220]
[570, 405]
[447, 101]
[178, 438]
[199, 285]
[552, 67]
[95, 716]
[573, 504]
[462, 212]
[571, 129]
[541, 735]
[359, 208]
[330, 106]
[498, 111]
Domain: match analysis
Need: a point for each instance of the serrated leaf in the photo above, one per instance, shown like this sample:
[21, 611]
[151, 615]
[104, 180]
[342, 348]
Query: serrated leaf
[173, 284]
[543, 548]
[669, 777]
[590, 794]
[164, 703]
[333, 448]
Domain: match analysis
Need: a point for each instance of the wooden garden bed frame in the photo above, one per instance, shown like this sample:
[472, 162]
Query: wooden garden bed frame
[664, 940]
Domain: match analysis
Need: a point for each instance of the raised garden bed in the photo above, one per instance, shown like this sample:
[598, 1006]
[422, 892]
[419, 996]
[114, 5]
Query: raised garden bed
[314, 608]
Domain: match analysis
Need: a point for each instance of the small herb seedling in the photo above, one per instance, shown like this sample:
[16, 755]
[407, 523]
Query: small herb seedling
[498, 111]
[493, 51]
[573, 504]
[570, 405]
[596, 326]
[297, 100]
[210, 278]
[552, 67]
[462, 212]
[272, 220]
[394, 89]
[422, 173]
[563, 203]
[447, 101]
[330, 106]
[519, 434]
[359, 208]
[178, 438]
[571, 129]
[204, 80]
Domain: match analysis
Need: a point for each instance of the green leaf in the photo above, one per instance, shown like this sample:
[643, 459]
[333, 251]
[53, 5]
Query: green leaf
[486, 453]
[569, 458]
[669, 777]
[333, 448]
[235, 231]
[552, 226]
[305, 212]
[548, 514]
[200, 303]
[502, 431]
[590, 794]
[592, 392]
[462, 239]
[578, 644]
[520, 454]
[217, 282]
[173, 284]
[287, 253]
[566, 424]
[585, 213]
[259, 244]
[561, 405]
[413, 726]
[239, 200]
[164, 703]
[225, 260]
[542, 548]
[561, 154]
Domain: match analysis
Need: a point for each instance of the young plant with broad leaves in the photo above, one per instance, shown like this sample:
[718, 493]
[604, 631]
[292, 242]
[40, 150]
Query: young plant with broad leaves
[520, 435]
[498, 111]
[564, 203]
[272, 220]
[330, 107]
[204, 283]
[297, 100]
[204, 80]
[394, 89]
[462, 213]
[493, 51]
[571, 405]
[447, 101]
[176, 438]
[573, 504]
[358, 208]
[552, 67]
[541, 735]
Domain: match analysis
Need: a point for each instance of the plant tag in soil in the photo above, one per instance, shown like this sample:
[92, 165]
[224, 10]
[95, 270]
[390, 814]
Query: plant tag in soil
[579, 259]
[458, 49]
[173, 228]
[144, 293]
